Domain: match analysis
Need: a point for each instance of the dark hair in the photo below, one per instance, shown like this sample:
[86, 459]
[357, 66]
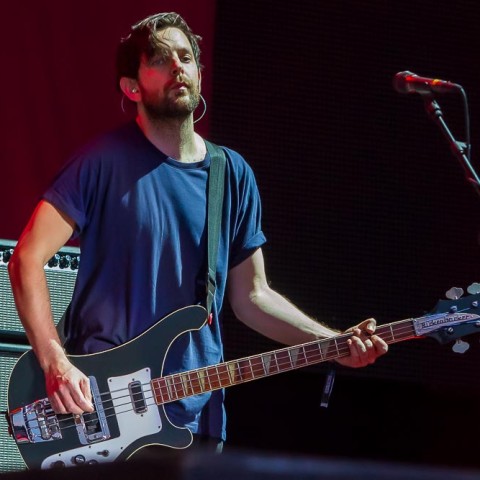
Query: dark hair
[142, 40]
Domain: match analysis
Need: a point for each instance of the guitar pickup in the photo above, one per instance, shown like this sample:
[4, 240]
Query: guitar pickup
[137, 397]
[93, 427]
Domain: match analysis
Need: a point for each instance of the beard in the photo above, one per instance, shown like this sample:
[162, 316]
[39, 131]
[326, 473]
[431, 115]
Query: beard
[179, 107]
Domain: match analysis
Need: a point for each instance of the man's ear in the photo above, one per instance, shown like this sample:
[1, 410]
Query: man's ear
[199, 81]
[129, 87]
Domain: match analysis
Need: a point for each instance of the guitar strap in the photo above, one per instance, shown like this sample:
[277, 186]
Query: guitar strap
[216, 186]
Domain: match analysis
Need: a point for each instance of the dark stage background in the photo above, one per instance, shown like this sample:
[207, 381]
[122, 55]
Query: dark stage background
[366, 211]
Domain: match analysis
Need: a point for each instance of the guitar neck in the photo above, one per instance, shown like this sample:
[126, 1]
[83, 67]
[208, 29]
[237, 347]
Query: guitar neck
[193, 382]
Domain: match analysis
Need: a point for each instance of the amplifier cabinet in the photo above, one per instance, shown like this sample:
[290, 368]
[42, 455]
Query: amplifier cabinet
[10, 458]
[61, 272]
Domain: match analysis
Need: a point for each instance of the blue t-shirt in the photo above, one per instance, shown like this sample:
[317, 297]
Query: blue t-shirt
[141, 221]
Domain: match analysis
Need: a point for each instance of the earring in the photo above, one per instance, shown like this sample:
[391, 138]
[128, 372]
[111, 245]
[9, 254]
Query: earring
[122, 103]
[204, 109]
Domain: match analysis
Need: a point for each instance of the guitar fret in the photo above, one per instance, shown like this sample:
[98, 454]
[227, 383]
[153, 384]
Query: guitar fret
[177, 385]
[202, 381]
[283, 361]
[190, 383]
[156, 392]
[257, 367]
[317, 351]
[195, 383]
[303, 357]
[245, 370]
[161, 389]
[213, 378]
[274, 364]
[238, 372]
[170, 382]
[311, 352]
[224, 376]
[251, 368]
[161, 386]
[391, 331]
[184, 379]
[231, 372]
[325, 350]
[331, 349]
[293, 354]
[403, 331]
[206, 379]
[266, 363]
[180, 386]
[218, 376]
[336, 346]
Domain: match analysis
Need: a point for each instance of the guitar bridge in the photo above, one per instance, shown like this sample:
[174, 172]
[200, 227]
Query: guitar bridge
[37, 422]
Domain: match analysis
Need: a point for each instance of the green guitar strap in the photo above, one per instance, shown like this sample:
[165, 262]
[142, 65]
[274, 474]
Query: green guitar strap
[216, 186]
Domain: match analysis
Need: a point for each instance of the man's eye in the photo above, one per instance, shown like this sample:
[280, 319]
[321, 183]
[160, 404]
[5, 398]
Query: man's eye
[157, 61]
[186, 59]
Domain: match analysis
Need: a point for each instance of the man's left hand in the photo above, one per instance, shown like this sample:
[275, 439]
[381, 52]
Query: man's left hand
[365, 346]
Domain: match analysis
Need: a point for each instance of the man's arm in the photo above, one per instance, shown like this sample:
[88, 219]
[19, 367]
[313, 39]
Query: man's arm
[267, 312]
[47, 231]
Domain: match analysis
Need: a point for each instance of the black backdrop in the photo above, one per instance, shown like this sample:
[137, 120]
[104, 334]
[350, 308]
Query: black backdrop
[366, 211]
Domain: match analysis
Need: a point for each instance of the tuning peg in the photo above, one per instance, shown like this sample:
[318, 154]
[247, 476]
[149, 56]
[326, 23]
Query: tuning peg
[454, 293]
[460, 346]
[474, 288]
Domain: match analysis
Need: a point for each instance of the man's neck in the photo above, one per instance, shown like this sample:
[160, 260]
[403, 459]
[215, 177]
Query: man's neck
[176, 138]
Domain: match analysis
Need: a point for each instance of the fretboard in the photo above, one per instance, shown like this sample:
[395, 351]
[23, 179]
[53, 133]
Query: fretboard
[193, 382]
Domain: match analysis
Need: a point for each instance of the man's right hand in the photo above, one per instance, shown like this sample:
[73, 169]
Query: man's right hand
[68, 389]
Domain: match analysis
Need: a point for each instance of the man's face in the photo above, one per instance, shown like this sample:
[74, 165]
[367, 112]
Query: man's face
[169, 82]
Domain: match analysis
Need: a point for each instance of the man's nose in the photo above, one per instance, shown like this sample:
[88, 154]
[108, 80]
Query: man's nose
[176, 65]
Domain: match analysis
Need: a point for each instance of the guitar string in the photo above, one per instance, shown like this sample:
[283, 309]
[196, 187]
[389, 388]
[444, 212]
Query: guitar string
[388, 328]
[181, 375]
[212, 371]
[287, 365]
[209, 374]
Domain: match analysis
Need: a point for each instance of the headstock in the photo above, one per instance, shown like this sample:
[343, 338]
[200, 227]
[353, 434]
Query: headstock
[453, 319]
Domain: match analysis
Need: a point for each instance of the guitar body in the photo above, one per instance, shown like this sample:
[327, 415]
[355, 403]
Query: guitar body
[122, 376]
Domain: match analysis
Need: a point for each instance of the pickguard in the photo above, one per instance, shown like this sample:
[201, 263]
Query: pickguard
[132, 425]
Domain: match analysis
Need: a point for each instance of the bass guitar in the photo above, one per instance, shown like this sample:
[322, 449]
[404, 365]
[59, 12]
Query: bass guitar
[129, 391]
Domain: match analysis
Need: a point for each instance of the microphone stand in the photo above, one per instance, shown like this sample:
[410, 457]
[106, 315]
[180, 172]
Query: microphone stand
[458, 148]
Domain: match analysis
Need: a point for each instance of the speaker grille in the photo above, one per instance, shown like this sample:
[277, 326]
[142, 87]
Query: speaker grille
[10, 459]
[61, 272]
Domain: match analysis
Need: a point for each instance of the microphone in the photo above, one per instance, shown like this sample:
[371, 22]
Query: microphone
[408, 82]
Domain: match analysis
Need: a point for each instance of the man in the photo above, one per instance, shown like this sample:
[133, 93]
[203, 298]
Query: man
[136, 198]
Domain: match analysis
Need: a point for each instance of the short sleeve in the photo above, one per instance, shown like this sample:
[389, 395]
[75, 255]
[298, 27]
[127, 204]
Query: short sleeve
[247, 212]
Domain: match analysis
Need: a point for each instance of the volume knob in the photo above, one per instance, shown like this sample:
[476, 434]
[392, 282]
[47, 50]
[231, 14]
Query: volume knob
[78, 459]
